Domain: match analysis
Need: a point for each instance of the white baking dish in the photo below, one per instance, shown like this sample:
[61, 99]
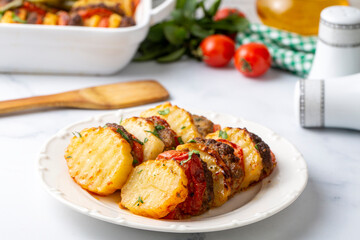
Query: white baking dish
[76, 50]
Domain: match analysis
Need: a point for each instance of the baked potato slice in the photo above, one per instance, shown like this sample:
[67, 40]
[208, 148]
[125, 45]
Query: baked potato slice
[99, 160]
[253, 162]
[155, 188]
[220, 172]
[179, 120]
[144, 130]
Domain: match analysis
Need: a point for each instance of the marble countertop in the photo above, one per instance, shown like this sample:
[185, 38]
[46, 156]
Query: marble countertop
[329, 208]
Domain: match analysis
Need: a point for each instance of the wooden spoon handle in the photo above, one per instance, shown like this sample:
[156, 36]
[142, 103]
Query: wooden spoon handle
[55, 100]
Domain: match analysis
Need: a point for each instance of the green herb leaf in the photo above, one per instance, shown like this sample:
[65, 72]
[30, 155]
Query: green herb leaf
[159, 127]
[214, 7]
[145, 140]
[15, 18]
[180, 140]
[156, 33]
[174, 34]
[121, 119]
[138, 201]
[123, 134]
[180, 4]
[135, 161]
[155, 133]
[77, 134]
[190, 8]
[1, 15]
[192, 141]
[190, 156]
[137, 140]
[257, 147]
[164, 112]
[69, 157]
[200, 32]
[223, 134]
[183, 127]
[172, 57]
[140, 171]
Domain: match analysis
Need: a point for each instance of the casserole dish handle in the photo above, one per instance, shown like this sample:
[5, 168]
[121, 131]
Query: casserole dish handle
[162, 11]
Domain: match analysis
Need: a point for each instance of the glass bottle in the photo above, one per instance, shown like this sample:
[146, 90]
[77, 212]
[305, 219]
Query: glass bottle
[299, 16]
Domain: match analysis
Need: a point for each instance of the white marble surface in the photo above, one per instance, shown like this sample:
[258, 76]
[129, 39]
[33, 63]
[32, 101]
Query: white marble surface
[329, 208]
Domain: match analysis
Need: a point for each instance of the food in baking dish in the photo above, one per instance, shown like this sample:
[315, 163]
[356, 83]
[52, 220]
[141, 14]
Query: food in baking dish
[176, 165]
[90, 13]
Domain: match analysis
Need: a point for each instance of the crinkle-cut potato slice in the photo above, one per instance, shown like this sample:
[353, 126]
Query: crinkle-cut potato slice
[153, 146]
[252, 158]
[155, 188]
[99, 160]
[179, 120]
[221, 180]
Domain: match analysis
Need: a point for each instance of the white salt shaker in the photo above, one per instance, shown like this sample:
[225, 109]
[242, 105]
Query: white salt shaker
[330, 102]
[338, 47]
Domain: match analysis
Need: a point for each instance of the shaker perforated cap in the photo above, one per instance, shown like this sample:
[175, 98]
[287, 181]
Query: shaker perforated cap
[340, 26]
[309, 103]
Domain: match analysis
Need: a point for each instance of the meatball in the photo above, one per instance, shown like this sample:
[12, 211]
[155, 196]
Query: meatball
[203, 125]
[166, 134]
[265, 153]
[227, 154]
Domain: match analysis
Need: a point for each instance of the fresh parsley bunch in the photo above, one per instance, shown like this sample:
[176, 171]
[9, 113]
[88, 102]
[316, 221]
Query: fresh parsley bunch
[182, 34]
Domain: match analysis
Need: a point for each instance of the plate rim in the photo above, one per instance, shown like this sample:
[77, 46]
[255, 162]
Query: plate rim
[181, 228]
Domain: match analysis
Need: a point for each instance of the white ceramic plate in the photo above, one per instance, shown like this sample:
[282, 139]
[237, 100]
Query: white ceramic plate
[270, 196]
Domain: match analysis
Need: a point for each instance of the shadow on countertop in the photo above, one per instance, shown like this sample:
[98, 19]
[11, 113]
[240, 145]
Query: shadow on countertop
[295, 222]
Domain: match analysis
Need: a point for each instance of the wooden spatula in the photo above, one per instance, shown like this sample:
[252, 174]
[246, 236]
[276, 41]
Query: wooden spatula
[112, 96]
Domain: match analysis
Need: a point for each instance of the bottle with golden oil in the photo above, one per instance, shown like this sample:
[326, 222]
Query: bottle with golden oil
[299, 16]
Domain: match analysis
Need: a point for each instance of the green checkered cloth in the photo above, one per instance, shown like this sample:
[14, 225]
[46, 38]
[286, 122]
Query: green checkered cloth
[289, 51]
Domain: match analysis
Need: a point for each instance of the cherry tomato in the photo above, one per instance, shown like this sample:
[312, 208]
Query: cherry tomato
[225, 12]
[217, 50]
[196, 183]
[252, 59]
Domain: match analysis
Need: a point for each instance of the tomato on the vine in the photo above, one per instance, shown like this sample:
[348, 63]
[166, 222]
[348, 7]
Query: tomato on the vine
[225, 12]
[217, 50]
[252, 59]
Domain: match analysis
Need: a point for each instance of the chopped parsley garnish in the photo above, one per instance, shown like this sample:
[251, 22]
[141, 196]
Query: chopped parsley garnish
[180, 140]
[190, 156]
[69, 157]
[15, 18]
[159, 127]
[164, 112]
[140, 171]
[135, 161]
[138, 201]
[155, 133]
[256, 146]
[223, 134]
[77, 134]
[192, 141]
[183, 127]
[137, 140]
[123, 134]
[145, 140]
